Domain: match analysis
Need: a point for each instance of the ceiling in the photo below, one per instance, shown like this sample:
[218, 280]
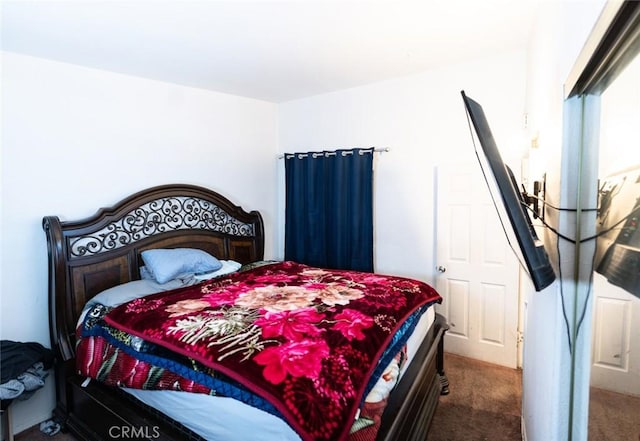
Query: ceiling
[268, 50]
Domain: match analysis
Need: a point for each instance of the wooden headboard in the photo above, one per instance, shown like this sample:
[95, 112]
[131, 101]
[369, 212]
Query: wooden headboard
[93, 254]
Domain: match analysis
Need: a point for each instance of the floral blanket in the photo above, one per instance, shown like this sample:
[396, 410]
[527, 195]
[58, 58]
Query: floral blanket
[305, 340]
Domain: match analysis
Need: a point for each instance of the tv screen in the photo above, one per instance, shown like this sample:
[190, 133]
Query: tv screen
[618, 239]
[532, 256]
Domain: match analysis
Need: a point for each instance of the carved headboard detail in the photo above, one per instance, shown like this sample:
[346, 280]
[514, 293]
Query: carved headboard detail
[93, 254]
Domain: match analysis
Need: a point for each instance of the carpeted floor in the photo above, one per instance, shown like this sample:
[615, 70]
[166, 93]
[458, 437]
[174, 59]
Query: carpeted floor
[484, 402]
[613, 416]
[484, 405]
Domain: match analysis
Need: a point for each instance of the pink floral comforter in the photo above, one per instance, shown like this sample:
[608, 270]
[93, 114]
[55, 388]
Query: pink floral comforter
[306, 339]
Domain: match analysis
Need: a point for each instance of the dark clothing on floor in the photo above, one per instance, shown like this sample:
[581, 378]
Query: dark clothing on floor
[23, 368]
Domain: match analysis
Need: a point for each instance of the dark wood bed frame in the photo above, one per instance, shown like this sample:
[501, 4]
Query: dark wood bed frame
[91, 255]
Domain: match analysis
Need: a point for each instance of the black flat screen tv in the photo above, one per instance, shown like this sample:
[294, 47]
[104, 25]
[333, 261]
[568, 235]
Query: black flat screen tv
[618, 238]
[532, 256]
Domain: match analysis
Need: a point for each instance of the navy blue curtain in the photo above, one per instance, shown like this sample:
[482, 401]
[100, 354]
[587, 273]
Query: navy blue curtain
[329, 209]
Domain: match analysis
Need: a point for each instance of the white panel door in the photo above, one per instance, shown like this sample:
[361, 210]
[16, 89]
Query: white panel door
[477, 270]
[615, 339]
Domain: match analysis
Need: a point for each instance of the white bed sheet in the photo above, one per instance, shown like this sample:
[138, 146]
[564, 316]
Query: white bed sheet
[226, 419]
[217, 418]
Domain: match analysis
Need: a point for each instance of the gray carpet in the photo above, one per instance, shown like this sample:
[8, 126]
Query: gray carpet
[613, 416]
[484, 403]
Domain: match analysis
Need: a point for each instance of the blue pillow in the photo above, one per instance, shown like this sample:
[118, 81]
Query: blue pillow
[168, 263]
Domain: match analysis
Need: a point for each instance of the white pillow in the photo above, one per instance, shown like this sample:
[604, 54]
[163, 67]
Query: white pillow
[168, 263]
[126, 292]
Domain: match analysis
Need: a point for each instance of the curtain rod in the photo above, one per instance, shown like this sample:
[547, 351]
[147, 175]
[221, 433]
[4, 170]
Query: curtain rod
[375, 150]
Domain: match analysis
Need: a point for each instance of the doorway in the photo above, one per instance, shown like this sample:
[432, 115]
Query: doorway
[477, 272]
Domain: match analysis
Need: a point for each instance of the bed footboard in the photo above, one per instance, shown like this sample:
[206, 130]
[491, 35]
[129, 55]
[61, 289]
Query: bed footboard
[100, 413]
[407, 417]
[413, 403]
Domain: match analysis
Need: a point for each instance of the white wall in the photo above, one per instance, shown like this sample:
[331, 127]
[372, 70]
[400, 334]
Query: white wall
[76, 139]
[421, 118]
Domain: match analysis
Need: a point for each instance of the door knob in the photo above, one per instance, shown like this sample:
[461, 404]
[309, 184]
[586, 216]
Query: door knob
[441, 269]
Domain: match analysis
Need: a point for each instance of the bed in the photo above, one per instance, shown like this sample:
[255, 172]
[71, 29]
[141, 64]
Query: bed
[104, 251]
